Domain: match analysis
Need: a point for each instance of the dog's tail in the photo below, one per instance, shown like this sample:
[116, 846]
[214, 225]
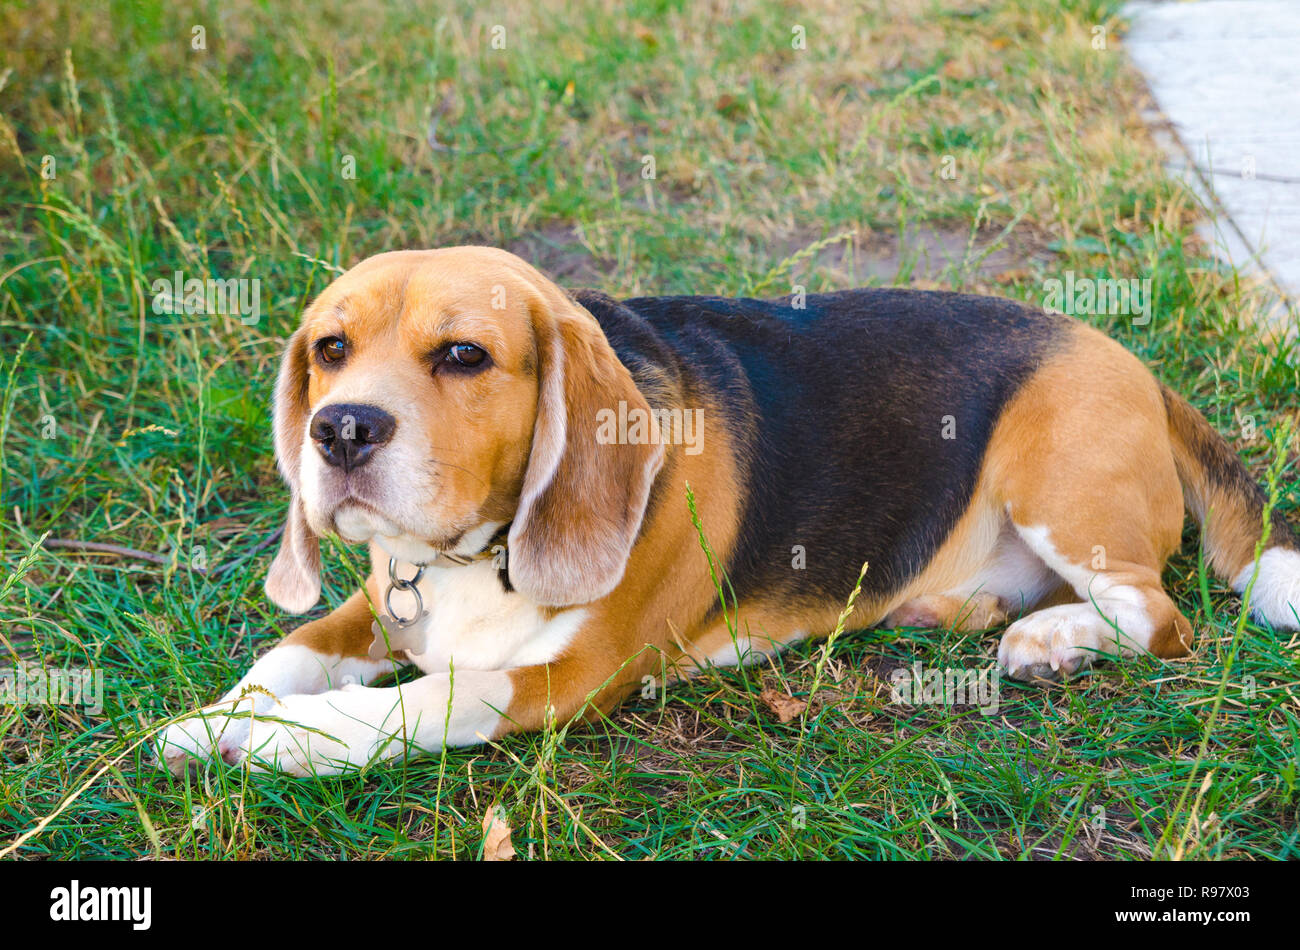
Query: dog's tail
[1229, 504]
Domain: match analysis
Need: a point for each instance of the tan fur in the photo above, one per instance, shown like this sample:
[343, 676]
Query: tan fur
[979, 611]
[664, 597]
[345, 631]
[581, 504]
[1083, 450]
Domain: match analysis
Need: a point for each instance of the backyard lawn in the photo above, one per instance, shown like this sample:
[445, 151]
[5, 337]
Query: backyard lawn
[649, 148]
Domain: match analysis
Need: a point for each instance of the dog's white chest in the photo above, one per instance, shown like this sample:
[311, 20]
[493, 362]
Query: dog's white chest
[473, 624]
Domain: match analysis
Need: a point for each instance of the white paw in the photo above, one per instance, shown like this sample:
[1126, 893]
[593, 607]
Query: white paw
[212, 731]
[1057, 642]
[322, 734]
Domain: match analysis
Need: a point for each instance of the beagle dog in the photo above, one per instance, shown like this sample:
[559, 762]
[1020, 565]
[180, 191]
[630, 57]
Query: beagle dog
[519, 459]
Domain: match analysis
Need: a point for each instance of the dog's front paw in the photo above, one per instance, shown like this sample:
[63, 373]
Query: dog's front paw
[213, 731]
[323, 734]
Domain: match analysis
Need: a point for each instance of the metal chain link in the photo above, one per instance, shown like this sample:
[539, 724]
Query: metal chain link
[401, 583]
[498, 555]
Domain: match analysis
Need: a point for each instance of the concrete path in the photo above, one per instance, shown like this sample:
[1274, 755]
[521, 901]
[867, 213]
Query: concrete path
[1226, 73]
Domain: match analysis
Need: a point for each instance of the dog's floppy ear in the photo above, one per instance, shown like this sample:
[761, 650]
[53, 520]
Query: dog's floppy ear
[293, 582]
[582, 501]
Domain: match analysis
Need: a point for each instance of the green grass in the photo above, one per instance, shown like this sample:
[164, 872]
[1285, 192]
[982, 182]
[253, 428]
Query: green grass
[227, 162]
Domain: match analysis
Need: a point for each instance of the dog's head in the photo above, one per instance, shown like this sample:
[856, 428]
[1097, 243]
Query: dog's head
[431, 396]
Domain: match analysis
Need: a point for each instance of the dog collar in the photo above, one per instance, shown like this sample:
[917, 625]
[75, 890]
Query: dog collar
[495, 548]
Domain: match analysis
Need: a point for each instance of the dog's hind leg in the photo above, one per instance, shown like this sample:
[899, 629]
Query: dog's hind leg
[1083, 463]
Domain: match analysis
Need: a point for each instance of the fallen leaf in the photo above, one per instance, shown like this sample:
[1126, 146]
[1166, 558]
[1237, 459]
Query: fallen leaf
[783, 705]
[496, 842]
[955, 70]
[728, 105]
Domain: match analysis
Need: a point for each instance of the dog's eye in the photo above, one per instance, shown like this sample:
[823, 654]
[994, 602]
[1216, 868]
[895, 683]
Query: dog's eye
[466, 354]
[331, 349]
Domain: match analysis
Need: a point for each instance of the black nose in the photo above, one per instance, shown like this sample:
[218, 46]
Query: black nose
[347, 434]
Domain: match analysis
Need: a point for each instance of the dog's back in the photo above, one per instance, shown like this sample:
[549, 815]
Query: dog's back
[859, 419]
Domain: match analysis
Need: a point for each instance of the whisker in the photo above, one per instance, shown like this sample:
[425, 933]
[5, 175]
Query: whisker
[461, 468]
